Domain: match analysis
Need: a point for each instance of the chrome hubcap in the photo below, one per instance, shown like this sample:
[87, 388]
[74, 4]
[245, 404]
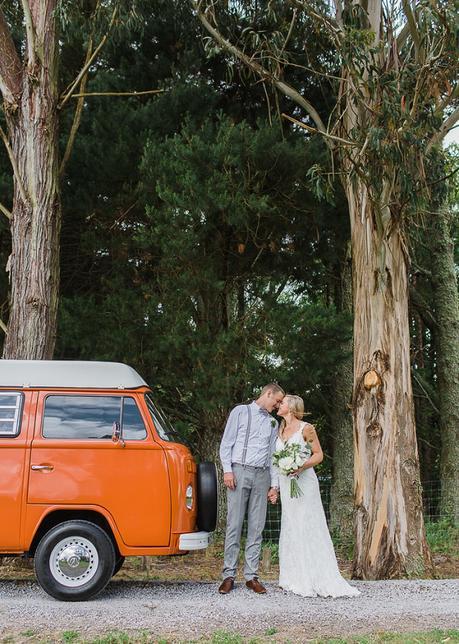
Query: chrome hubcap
[74, 561]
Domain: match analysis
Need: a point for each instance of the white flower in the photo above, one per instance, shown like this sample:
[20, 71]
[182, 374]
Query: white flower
[286, 463]
[299, 460]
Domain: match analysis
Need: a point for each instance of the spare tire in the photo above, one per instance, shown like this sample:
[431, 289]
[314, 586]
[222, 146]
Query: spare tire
[207, 497]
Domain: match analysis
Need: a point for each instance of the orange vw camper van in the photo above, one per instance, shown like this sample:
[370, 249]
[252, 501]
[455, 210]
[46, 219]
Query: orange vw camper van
[90, 473]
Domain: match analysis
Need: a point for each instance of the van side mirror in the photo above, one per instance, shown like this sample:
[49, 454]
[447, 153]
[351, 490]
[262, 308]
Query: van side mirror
[117, 436]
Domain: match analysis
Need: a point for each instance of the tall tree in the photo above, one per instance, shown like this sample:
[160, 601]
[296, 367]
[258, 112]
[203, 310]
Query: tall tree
[30, 99]
[341, 496]
[440, 229]
[31, 42]
[396, 97]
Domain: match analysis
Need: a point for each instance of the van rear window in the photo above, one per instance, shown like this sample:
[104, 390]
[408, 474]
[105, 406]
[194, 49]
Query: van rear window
[92, 417]
[10, 413]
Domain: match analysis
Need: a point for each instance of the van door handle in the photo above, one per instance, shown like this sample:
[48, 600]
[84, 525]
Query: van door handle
[43, 468]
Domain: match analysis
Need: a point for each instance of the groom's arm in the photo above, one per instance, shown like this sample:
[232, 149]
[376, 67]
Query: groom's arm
[272, 468]
[226, 448]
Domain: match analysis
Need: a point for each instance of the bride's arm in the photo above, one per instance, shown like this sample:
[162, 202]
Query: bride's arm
[317, 456]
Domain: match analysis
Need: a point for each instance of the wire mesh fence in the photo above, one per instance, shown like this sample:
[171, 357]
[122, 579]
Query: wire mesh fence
[431, 503]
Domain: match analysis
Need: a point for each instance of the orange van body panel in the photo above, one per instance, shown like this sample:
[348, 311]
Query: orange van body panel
[182, 472]
[140, 488]
[131, 482]
[36, 514]
[13, 471]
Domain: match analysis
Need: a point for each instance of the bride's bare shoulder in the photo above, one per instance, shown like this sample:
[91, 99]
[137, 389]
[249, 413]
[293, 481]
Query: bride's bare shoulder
[309, 432]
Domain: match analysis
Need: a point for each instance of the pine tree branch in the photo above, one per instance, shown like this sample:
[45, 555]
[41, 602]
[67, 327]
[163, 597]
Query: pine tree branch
[5, 211]
[134, 93]
[10, 64]
[421, 305]
[69, 92]
[418, 380]
[266, 75]
[13, 164]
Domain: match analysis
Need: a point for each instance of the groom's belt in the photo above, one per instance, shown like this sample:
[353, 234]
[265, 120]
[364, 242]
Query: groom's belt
[253, 467]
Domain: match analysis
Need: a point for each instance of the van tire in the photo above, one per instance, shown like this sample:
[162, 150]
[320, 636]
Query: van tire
[75, 560]
[118, 565]
[207, 497]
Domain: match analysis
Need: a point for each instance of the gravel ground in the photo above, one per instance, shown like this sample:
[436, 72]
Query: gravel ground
[190, 610]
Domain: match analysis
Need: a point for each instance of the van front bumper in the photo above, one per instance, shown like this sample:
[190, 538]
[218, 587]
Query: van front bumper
[194, 540]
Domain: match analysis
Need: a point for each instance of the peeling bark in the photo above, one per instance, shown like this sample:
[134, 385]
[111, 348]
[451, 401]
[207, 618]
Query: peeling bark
[36, 213]
[390, 539]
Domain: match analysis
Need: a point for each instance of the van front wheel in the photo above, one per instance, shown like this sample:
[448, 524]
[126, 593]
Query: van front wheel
[75, 560]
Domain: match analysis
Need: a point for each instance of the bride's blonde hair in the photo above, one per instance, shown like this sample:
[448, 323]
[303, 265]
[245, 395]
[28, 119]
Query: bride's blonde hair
[295, 406]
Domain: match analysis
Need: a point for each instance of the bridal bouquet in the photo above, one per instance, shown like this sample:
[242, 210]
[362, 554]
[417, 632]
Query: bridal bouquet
[288, 460]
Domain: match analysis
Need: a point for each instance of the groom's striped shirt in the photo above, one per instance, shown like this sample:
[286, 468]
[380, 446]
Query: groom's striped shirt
[261, 444]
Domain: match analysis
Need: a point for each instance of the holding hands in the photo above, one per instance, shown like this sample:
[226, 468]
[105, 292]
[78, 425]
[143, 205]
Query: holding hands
[273, 495]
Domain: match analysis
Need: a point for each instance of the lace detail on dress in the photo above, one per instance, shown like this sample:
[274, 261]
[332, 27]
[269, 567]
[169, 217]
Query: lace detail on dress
[307, 560]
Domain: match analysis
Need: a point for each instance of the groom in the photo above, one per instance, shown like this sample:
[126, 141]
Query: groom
[246, 449]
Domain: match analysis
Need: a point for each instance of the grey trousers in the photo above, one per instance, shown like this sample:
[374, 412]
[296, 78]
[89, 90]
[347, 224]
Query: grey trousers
[251, 497]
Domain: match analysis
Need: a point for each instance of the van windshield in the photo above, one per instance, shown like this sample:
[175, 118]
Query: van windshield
[162, 423]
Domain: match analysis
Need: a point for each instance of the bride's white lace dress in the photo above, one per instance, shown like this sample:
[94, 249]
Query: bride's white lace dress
[307, 560]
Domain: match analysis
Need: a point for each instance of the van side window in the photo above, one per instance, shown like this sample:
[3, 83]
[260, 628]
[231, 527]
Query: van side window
[132, 423]
[81, 416]
[91, 417]
[10, 413]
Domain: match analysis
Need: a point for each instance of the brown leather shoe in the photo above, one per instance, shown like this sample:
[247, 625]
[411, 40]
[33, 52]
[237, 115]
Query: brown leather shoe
[255, 585]
[226, 586]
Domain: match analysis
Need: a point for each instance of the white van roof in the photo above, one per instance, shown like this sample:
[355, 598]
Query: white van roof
[68, 374]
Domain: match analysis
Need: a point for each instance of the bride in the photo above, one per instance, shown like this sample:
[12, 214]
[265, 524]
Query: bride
[307, 560]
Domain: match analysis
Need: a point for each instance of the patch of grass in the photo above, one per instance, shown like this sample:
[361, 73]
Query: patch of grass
[343, 547]
[222, 637]
[429, 637]
[116, 637]
[443, 536]
[70, 636]
[274, 550]
[271, 631]
[28, 633]
[119, 637]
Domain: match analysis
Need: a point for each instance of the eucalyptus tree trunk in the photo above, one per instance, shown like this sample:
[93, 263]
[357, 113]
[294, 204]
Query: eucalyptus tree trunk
[342, 493]
[36, 215]
[446, 302]
[390, 539]
[389, 523]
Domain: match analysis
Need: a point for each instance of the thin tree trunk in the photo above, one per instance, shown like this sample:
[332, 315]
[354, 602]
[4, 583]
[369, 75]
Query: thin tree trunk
[446, 303]
[36, 214]
[209, 450]
[342, 496]
[390, 537]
